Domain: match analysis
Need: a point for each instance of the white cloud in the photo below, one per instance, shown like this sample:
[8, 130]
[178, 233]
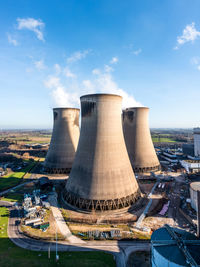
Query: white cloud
[190, 34]
[52, 82]
[108, 68]
[106, 84]
[57, 68]
[67, 72]
[39, 64]
[33, 25]
[11, 40]
[137, 52]
[64, 99]
[67, 94]
[61, 96]
[114, 60]
[103, 82]
[76, 56]
[88, 84]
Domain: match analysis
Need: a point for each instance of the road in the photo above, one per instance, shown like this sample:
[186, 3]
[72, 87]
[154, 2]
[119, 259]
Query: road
[13, 188]
[120, 249]
[144, 213]
[60, 222]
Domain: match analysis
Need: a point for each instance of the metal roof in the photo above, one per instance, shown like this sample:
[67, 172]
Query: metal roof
[177, 246]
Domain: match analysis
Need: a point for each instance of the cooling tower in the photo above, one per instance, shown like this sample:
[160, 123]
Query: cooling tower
[101, 177]
[64, 140]
[138, 140]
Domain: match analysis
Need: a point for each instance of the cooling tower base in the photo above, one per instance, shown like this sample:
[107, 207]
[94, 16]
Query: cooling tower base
[147, 169]
[57, 170]
[118, 216]
[101, 205]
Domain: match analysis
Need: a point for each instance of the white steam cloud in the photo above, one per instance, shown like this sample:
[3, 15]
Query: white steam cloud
[61, 96]
[67, 94]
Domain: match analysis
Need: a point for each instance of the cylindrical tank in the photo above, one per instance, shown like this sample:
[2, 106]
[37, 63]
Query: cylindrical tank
[101, 177]
[194, 187]
[64, 140]
[174, 250]
[138, 140]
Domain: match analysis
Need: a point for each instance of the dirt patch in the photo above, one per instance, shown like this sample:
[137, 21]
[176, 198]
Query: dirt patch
[156, 206]
[157, 222]
[146, 187]
[49, 234]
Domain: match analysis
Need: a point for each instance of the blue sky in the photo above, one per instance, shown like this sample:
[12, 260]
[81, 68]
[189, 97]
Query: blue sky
[52, 52]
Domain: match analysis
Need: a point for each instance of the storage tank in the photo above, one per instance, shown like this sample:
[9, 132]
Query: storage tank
[138, 140]
[175, 248]
[101, 177]
[194, 187]
[64, 140]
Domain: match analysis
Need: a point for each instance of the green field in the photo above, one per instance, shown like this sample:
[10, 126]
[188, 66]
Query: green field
[11, 255]
[15, 178]
[163, 140]
[26, 139]
[13, 197]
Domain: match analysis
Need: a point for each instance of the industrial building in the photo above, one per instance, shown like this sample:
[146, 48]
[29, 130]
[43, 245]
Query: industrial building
[101, 177]
[174, 247]
[138, 140]
[194, 187]
[188, 150]
[191, 166]
[196, 132]
[64, 140]
[169, 156]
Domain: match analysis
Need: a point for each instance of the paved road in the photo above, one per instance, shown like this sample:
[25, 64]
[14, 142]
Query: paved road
[120, 249]
[13, 188]
[144, 213]
[60, 222]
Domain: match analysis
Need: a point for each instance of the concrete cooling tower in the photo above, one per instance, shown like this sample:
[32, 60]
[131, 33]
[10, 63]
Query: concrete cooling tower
[64, 140]
[138, 140]
[101, 177]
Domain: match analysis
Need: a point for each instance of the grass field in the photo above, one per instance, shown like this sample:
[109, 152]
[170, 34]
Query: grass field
[163, 140]
[11, 255]
[27, 139]
[15, 178]
[13, 197]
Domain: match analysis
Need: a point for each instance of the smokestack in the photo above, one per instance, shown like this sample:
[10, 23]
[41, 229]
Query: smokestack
[101, 177]
[64, 140]
[138, 140]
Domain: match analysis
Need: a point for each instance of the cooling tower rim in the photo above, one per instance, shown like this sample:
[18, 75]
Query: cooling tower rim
[195, 186]
[133, 108]
[66, 109]
[100, 95]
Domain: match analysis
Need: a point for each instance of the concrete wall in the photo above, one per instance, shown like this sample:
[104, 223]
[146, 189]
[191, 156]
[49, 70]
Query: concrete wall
[138, 140]
[64, 140]
[101, 171]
